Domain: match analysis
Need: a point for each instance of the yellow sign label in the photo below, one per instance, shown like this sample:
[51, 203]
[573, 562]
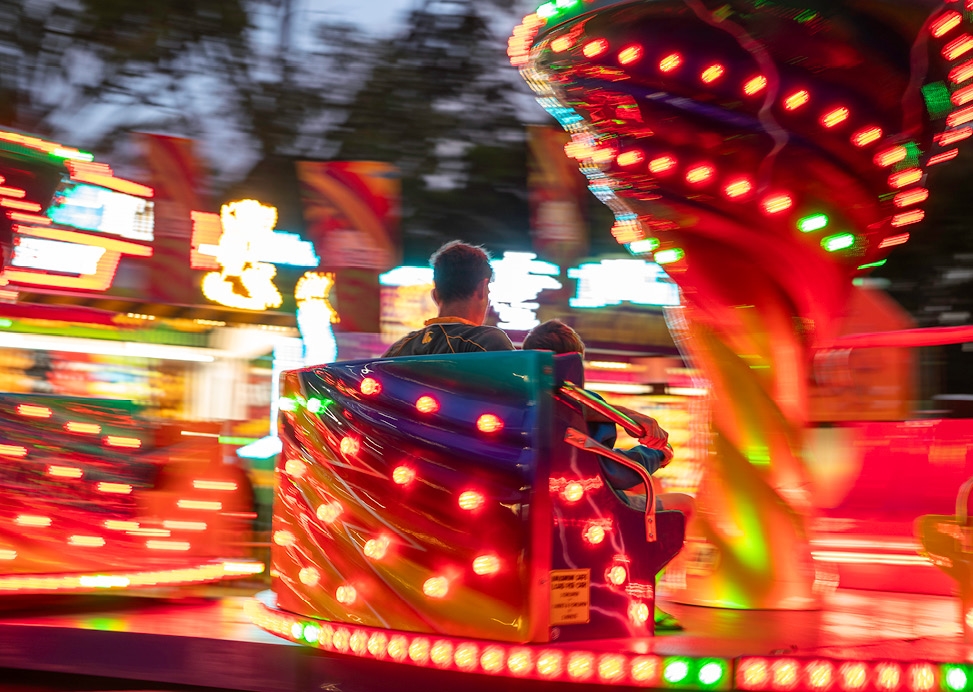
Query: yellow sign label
[570, 596]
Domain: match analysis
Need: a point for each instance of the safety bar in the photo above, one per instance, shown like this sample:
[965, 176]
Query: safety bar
[578, 439]
[585, 398]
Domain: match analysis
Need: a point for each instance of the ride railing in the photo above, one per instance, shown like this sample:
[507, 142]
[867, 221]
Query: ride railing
[460, 495]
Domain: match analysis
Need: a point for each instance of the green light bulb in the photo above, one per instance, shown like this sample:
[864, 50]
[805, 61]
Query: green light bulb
[814, 222]
[841, 241]
[668, 256]
[676, 670]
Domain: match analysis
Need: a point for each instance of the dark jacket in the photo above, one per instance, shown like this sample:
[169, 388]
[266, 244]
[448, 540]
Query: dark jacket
[450, 335]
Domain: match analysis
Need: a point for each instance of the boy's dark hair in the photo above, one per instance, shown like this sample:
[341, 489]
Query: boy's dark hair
[458, 268]
[553, 335]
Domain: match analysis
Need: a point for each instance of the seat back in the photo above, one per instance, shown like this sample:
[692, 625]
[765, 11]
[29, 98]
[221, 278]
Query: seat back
[424, 494]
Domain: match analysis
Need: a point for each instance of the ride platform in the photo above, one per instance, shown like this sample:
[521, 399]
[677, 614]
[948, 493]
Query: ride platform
[859, 640]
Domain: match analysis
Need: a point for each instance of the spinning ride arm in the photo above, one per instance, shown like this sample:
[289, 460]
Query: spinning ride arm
[764, 154]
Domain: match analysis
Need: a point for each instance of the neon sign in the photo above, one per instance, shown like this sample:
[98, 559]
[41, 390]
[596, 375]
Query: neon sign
[91, 208]
[315, 317]
[613, 281]
[244, 281]
[519, 277]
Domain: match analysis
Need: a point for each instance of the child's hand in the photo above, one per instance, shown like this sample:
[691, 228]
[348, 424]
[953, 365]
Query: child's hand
[653, 435]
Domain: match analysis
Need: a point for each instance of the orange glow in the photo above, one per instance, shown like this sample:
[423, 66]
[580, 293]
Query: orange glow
[206, 505]
[486, 564]
[890, 156]
[945, 23]
[492, 659]
[295, 468]
[894, 240]
[611, 667]
[796, 100]
[370, 386]
[12, 451]
[645, 669]
[820, 675]
[835, 117]
[101, 174]
[32, 520]
[670, 62]
[702, 173]
[962, 96]
[175, 546]
[712, 73]
[944, 139]
[117, 525]
[630, 158]
[350, 446]
[550, 664]
[441, 653]
[489, 423]
[603, 155]
[127, 442]
[105, 269]
[922, 677]
[520, 661]
[403, 475]
[740, 187]
[376, 548]
[630, 54]
[943, 157]
[214, 485]
[184, 525]
[419, 651]
[12, 192]
[30, 411]
[775, 204]
[436, 587]
[854, 676]
[329, 512]
[785, 674]
[18, 204]
[561, 44]
[960, 117]
[638, 613]
[87, 541]
[962, 72]
[909, 197]
[85, 428]
[594, 534]
[573, 491]
[115, 488]
[467, 656]
[904, 178]
[755, 85]
[284, 538]
[908, 217]
[888, 677]
[580, 665]
[592, 49]
[662, 164]
[958, 47]
[617, 575]
[64, 472]
[24, 217]
[470, 500]
[866, 136]
[753, 673]
[427, 404]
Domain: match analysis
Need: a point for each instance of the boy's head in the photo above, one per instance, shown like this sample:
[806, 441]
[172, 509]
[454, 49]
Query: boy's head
[458, 270]
[554, 335]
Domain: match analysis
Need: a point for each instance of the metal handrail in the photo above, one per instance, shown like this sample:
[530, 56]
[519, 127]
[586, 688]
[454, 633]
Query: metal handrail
[578, 439]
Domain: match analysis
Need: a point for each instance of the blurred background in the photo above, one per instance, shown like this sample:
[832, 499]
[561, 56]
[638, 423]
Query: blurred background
[377, 130]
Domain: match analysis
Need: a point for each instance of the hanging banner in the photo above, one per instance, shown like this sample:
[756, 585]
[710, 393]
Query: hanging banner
[558, 195]
[351, 209]
[177, 177]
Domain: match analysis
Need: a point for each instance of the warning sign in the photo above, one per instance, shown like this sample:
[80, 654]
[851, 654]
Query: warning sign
[570, 596]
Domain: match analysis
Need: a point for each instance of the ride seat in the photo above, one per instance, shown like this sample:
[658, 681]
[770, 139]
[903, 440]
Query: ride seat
[457, 495]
